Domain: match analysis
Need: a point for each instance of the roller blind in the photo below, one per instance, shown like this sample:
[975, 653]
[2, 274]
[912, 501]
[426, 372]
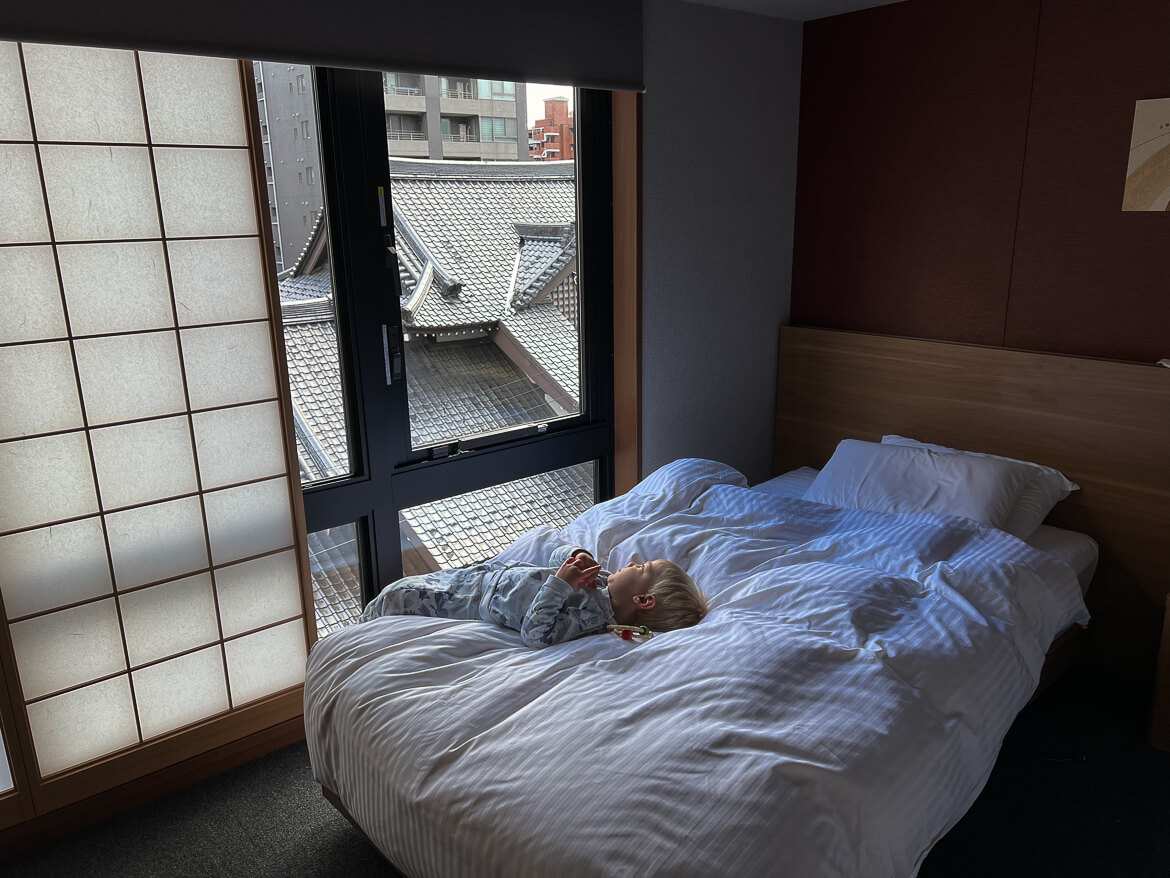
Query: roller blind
[594, 45]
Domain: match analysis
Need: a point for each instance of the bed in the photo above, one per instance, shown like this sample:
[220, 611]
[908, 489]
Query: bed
[837, 712]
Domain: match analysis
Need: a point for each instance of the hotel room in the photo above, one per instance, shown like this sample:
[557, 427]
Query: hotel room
[937, 186]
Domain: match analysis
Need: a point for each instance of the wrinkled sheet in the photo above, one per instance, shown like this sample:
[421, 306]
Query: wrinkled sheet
[838, 710]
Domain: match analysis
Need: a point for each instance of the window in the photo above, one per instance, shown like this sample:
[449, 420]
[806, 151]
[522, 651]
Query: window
[497, 128]
[402, 83]
[296, 132]
[300, 83]
[305, 129]
[490, 389]
[310, 177]
[458, 88]
[497, 90]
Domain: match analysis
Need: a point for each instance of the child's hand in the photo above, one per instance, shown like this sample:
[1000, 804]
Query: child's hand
[580, 571]
[583, 553]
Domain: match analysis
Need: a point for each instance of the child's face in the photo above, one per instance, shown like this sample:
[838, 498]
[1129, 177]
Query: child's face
[633, 579]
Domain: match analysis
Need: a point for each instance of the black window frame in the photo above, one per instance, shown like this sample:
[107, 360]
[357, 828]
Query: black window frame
[386, 474]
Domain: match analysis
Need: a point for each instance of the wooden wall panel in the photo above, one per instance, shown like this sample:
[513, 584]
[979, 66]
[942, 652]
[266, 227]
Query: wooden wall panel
[912, 134]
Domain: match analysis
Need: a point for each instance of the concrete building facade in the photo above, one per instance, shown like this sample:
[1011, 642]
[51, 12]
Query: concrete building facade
[455, 117]
[292, 166]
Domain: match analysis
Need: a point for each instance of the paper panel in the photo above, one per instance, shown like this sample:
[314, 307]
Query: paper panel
[38, 390]
[193, 100]
[145, 461]
[45, 479]
[239, 444]
[31, 295]
[130, 376]
[67, 647]
[157, 542]
[228, 364]
[218, 280]
[205, 191]
[52, 566]
[22, 204]
[104, 710]
[170, 618]
[179, 692]
[258, 592]
[248, 520]
[100, 192]
[13, 102]
[266, 662]
[118, 287]
[83, 93]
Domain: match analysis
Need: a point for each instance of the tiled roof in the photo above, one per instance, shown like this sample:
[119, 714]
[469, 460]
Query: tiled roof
[462, 389]
[306, 286]
[475, 526]
[314, 377]
[552, 342]
[466, 213]
[546, 251]
[337, 584]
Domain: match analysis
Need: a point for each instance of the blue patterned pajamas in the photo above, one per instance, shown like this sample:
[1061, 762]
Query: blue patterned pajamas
[524, 597]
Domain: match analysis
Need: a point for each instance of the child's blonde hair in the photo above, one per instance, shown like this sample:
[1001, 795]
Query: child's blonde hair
[678, 603]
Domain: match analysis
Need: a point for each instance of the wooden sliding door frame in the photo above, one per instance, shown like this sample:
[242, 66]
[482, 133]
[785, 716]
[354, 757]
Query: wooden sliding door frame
[90, 785]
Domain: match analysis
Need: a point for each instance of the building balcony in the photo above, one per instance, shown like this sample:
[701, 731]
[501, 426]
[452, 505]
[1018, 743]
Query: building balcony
[408, 148]
[404, 103]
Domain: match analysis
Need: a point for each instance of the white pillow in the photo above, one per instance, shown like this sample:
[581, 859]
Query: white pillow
[1043, 489]
[893, 478]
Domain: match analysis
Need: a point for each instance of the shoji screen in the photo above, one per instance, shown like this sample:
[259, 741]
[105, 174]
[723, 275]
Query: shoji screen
[150, 557]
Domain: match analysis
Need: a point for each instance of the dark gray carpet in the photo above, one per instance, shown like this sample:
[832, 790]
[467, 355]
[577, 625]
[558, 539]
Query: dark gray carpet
[262, 820]
[1077, 791]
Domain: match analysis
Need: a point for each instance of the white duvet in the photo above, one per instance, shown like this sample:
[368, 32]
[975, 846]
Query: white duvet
[838, 710]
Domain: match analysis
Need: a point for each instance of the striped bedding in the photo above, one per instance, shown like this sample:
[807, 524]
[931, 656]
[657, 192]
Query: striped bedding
[838, 710]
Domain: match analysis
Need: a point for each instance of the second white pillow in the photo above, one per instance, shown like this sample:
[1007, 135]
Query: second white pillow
[895, 478]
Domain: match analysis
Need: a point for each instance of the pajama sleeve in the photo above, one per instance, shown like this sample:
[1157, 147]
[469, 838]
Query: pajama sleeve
[550, 621]
[561, 554]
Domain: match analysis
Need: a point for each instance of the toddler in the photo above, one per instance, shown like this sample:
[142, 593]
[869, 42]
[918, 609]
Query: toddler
[570, 597]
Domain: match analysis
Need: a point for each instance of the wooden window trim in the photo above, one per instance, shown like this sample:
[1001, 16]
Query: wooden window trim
[627, 289]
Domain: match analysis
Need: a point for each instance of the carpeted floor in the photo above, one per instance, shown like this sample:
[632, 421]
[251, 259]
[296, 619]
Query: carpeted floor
[1077, 791]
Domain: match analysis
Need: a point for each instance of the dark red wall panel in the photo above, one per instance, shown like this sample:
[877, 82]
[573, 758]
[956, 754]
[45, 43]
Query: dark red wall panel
[961, 171]
[1089, 278]
[912, 132]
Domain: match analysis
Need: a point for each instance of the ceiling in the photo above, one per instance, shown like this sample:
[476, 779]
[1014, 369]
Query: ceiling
[798, 10]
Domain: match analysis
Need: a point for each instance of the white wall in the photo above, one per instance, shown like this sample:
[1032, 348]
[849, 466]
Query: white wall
[719, 180]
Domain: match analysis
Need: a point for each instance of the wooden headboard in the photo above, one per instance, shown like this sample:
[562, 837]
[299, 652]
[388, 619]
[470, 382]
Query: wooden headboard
[1104, 424]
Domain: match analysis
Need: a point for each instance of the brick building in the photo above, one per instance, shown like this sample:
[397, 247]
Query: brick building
[551, 139]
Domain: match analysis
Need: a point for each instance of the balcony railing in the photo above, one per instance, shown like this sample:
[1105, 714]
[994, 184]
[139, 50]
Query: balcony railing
[403, 90]
[405, 135]
[463, 94]
[462, 138]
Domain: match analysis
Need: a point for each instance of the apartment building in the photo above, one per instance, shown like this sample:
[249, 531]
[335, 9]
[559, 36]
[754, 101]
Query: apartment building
[453, 117]
[288, 131]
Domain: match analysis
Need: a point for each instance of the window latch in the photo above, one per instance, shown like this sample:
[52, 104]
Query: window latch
[392, 353]
[438, 452]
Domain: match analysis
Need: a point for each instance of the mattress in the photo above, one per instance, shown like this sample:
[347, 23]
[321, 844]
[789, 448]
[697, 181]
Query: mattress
[1077, 550]
[837, 711]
